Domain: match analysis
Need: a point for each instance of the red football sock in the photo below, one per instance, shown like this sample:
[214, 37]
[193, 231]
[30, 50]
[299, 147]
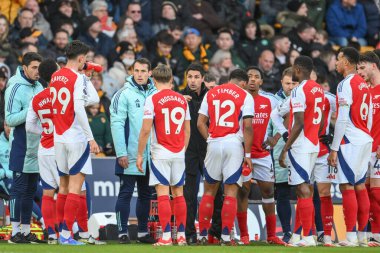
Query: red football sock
[164, 212]
[60, 207]
[297, 222]
[313, 228]
[363, 209]
[375, 209]
[229, 210]
[242, 221]
[180, 213]
[82, 216]
[48, 212]
[327, 213]
[306, 207]
[206, 209]
[350, 209]
[271, 225]
[71, 211]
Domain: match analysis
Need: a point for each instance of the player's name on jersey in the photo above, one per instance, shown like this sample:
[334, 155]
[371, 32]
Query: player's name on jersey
[63, 79]
[171, 98]
[227, 91]
[317, 89]
[44, 102]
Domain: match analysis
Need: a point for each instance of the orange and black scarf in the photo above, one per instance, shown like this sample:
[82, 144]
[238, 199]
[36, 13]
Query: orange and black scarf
[203, 55]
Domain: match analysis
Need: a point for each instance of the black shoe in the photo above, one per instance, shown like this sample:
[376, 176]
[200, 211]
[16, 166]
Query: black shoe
[18, 239]
[321, 239]
[76, 236]
[32, 238]
[192, 240]
[146, 239]
[124, 239]
[203, 241]
[286, 237]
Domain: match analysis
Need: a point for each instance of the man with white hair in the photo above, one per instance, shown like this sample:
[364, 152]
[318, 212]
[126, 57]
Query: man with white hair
[99, 8]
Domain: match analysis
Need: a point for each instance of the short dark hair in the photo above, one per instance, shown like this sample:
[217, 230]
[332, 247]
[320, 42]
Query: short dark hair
[23, 10]
[143, 61]
[351, 54]
[60, 30]
[165, 38]
[29, 57]
[76, 48]
[370, 57]
[377, 52]
[46, 69]
[196, 67]
[257, 69]
[287, 72]
[304, 63]
[174, 25]
[278, 37]
[303, 26]
[224, 30]
[162, 73]
[209, 77]
[239, 75]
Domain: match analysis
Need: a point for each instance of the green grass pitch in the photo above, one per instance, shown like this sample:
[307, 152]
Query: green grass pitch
[134, 248]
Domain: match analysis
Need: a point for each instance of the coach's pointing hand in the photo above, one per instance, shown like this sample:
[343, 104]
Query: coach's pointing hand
[94, 148]
[123, 162]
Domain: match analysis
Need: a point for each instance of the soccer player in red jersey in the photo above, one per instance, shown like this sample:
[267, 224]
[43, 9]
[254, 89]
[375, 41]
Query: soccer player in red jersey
[229, 110]
[263, 171]
[369, 69]
[352, 145]
[302, 147]
[73, 139]
[167, 117]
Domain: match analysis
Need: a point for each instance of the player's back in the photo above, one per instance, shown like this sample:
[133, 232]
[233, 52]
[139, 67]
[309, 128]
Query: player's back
[329, 106]
[65, 87]
[227, 104]
[42, 106]
[354, 91]
[375, 130]
[308, 97]
[170, 110]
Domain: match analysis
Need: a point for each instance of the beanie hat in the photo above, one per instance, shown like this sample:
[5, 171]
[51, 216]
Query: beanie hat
[175, 8]
[294, 5]
[89, 21]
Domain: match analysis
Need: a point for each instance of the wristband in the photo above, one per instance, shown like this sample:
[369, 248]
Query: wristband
[248, 155]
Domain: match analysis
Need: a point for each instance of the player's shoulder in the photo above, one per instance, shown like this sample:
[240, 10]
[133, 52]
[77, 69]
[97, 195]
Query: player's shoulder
[329, 95]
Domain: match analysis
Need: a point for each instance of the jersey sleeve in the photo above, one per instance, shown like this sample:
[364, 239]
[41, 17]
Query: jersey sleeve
[344, 93]
[79, 91]
[92, 95]
[148, 108]
[187, 117]
[32, 121]
[119, 115]
[204, 106]
[277, 116]
[248, 106]
[332, 100]
[15, 110]
[298, 100]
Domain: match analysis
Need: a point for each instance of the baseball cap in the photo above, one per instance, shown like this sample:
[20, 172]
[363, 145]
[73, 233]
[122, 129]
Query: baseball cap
[191, 31]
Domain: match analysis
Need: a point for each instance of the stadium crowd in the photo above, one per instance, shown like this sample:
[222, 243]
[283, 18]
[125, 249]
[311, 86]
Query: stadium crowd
[267, 47]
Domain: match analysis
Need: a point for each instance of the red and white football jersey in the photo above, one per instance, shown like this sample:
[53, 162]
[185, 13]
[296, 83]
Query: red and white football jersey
[353, 91]
[169, 110]
[375, 130]
[264, 104]
[42, 108]
[329, 108]
[308, 97]
[66, 86]
[226, 105]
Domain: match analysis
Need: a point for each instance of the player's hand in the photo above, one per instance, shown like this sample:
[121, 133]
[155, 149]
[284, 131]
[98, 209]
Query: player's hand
[123, 161]
[88, 72]
[139, 163]
[94, 148]
[248, 162]
[333, 158]
[282, 159]
[271, 142]
[188, 98]
[326, 139]
[378, 152]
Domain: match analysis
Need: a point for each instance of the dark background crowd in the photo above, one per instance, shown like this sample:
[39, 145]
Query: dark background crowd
[221, 35]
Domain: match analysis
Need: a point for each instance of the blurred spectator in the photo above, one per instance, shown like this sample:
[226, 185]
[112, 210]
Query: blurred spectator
[68, 26]
[176, 31]
[302, 38]
[146, 8]
[270, 8]
[232, 12]
[221, 65]
[210, 81]
[162, 53]
[57, 46]
[4, 76]
[281, 45]
[181, 6]
[193, 51]
[346, 22]
[63, 11]
[99, 8]
[24, 19]
[168, 15]
[33, 36]
[372, 15]
[27, 48]
[123, 27]
[251, 44]
[271, 74]
[94, 37]
[316, 12]
[110, 86]
[100, 127]
[292, 55]
[6, 52]
[105, 102]
[125, 59]
[131, 37]
[322, 38]
[296, 14]
[225, 42]
[142, 27]
[90, 55]
[39, 21]
[204, 17]
[325, 65]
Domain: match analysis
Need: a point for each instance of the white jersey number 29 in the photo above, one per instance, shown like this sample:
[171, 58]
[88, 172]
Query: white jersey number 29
[63, 96]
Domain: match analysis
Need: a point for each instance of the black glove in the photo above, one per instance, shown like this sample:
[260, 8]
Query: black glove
[326, 139]
[285, 136]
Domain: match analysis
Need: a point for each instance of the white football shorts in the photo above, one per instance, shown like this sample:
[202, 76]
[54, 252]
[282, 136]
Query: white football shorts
[169, 172]
[300, 167]
[73, 158]
[262, 170]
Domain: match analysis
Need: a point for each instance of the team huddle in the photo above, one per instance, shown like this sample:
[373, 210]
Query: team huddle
[242, 125]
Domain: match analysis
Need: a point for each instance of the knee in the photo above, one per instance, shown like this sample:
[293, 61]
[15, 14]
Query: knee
[267, 192]
[303, 191]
